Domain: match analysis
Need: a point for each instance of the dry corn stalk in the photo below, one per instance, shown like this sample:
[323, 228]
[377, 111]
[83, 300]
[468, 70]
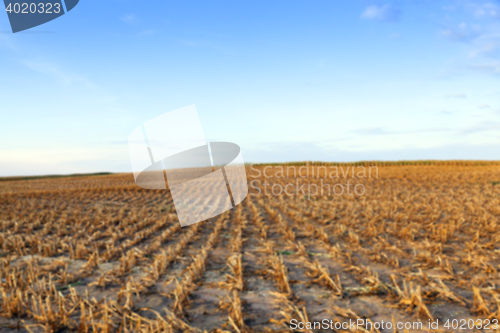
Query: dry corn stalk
[321, 275]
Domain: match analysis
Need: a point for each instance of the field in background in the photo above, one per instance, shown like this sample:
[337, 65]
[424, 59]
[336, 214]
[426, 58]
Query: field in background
[99, 254]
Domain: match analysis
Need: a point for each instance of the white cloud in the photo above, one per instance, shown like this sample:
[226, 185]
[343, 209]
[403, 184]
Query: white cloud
[385, 12]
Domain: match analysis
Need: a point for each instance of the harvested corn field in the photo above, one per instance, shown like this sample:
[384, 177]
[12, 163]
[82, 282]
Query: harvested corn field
[413, 242]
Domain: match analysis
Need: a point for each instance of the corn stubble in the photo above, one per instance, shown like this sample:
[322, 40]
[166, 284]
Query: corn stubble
[87, 254]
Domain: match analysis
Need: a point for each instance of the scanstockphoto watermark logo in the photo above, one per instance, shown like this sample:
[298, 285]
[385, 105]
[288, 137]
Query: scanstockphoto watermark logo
[24, 15]
[205, 178]
[310, 180]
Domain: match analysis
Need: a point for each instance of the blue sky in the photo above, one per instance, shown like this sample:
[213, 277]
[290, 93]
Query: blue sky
[286, 80]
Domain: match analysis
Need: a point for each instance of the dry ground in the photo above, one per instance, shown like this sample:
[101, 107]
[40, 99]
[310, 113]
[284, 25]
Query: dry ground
[99, 254]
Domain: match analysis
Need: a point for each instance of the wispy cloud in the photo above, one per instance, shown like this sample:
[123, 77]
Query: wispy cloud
[130, 19]
[387, 13]
[285, 152]
[481, 127]
[372, 131]
[147, 32]
[488, 9]
[63, 160]
[458, 95]
[395, 35]
[5, 41]
[67, 78]
[55, 71]
[479, 27]
[490, 67]
[382, 131]
[487, 43]
[206, 44]
[486, 126]
[462, 33]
